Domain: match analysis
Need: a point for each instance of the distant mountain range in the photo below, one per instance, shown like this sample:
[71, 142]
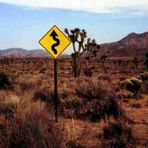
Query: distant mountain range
[131, 45]
[20, 52]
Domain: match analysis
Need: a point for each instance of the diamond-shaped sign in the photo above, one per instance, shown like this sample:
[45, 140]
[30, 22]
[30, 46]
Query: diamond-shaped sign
[55, 42]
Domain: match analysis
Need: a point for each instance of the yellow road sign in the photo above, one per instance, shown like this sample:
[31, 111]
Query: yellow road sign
[55, 41]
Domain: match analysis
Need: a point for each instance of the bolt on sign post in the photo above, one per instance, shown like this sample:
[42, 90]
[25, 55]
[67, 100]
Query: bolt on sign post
[55, 42]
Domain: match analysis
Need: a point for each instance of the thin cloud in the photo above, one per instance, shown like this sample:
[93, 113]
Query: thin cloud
[95, 6]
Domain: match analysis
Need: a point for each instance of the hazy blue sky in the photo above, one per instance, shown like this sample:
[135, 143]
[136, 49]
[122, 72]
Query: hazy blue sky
[23, 23]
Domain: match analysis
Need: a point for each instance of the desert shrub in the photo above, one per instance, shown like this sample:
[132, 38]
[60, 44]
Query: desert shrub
[33, 127]
[136, 105]
[42, 70]
[26, 85]
[2, 95]
[99, 100]
[124, 94]
[116, 129]
[71, 144]
[4, 80]
[146, 61]
[133, 84]
[103, 59]
[73, 102]
[144, 76]
[135, 62]
[65, 91]
[92, 89]
[72, 107]
[145, 88]
[102, 108]
[8, 104]
[88, 72]
[119, 134]
[7, 109]
[64, 94]
[43, 94]
[104, 77]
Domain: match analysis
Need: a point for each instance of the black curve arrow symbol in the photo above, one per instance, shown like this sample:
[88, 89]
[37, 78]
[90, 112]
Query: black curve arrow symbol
[54, 37]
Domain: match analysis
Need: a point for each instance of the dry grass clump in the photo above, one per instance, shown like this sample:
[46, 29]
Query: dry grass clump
[25, 123]
[43, 93]
[72, 107]
[7, 109]
[5, 81]
[107, 107]
[66, 90]
[118, 134]
[26, 85]
[92, 89]
[136, 105]
[8, 103]
[144, 78]
[32, 127]
[93, 100]
[124, 94]
[73, 102]
[104, 77]
[144, 89]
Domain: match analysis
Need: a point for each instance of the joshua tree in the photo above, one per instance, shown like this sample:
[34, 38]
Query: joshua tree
[146, 61]
[135, 62]
[80, 44]
[103, 59]
[119, 62]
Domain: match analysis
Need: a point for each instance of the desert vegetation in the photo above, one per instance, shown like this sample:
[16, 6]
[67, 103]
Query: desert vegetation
[107, 108]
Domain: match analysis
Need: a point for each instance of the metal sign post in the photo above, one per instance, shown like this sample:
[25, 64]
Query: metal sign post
[56, 96]
[55, 42]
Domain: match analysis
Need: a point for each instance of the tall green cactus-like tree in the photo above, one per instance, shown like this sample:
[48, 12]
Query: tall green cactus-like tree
[80, 44]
